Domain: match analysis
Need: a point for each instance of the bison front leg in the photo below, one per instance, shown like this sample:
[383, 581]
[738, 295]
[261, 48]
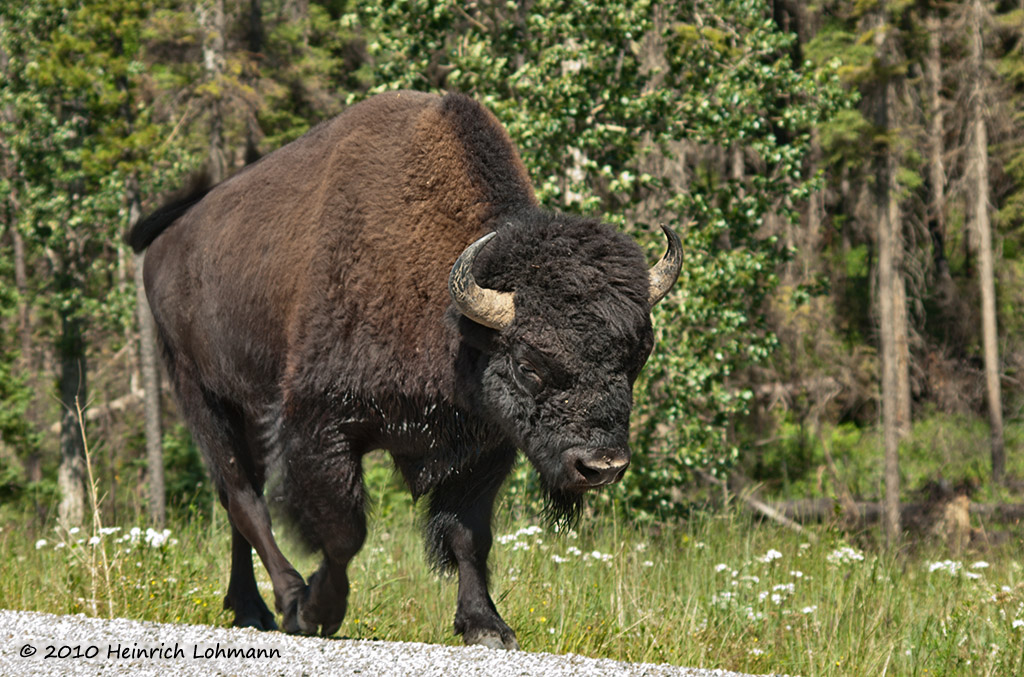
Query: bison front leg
[459, 537]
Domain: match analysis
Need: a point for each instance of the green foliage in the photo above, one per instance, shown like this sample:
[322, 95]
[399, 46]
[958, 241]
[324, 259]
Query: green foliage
[587, 108]
[641, 112]
[187, 486]
[76, 132]
[16, 432]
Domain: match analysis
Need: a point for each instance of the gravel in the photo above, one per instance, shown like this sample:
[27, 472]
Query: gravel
[43, 644]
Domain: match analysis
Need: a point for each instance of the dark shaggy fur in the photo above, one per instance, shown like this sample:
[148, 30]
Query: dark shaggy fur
[305, 318]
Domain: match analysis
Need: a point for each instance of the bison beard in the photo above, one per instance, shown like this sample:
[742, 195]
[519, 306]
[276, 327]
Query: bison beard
[388, 281]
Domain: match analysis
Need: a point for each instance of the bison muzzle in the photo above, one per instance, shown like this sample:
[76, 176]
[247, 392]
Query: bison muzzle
[388, 281]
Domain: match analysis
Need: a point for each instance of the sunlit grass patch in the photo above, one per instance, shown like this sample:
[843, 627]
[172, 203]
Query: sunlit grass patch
[716, 591]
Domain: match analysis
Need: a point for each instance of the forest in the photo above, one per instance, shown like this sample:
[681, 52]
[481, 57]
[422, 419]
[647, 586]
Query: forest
[847, 177]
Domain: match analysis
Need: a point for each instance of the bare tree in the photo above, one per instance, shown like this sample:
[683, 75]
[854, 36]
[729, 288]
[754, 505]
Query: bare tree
[891, 290]
[978, 172]
[71, 474]
[936, 213]
[211, 21]
[150, 369]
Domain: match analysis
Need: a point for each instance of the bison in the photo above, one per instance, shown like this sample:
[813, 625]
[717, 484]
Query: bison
[389, 281]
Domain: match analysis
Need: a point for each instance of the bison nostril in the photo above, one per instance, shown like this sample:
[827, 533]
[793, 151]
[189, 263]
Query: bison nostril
[602, 469]
[591, 475]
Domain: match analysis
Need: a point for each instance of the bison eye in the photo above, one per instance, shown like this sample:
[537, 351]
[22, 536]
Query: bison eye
[528, 376]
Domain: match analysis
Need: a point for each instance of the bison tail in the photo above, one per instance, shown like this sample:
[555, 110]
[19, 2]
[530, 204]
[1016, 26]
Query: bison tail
[147, 229]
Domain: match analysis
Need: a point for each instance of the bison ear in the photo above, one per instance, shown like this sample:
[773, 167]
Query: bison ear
[664, 273]
[489, 307]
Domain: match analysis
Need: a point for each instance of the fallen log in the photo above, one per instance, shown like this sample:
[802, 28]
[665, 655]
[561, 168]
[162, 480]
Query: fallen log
[810, 510]
[761, 507]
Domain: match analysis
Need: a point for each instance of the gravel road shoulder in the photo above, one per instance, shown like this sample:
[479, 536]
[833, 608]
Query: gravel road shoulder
[43, 644]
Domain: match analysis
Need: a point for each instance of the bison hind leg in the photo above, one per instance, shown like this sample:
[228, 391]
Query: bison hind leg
[219, 426]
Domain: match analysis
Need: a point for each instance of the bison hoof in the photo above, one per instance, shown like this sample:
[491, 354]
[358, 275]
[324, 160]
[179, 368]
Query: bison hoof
[295, 621]
[299, 620]
[250, 613]
[329, 629]
[261, 622]
[492, 639]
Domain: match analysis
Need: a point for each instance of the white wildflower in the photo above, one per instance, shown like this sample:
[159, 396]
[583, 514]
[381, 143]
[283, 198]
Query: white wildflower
[845, 555]
[949, 566]
[41, 543]
[156, 539]
[770, 556]
[723, 598]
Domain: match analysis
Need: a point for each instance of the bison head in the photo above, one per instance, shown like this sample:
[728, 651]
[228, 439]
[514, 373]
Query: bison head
[566, 303]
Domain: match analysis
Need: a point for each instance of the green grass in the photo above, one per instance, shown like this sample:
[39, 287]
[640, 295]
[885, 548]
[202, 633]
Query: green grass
[716, 591]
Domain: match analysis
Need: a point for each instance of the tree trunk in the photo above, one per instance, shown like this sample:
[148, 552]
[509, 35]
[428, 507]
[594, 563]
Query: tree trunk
[936, 166]
[150, 380]
[891, 294]
[983, 232]
[71, 475]
[256, 33]
[151, 386]
[131, 358]
[810, 241]
[256, 38]
[24, 309]
[211, 21]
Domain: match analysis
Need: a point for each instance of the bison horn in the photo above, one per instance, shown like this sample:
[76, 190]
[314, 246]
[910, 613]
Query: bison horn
[664, 273]
[489, 307]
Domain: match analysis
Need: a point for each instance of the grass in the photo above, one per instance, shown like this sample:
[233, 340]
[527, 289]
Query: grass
[716, 591]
